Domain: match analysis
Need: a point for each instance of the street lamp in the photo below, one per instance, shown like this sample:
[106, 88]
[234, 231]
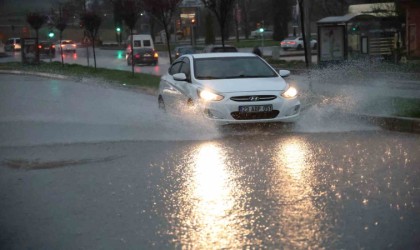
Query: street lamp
[193, 32]
[262, 38]
[118, 30]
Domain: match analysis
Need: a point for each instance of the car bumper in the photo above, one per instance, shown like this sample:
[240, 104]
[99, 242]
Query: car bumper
[288, 46]
[70, 49]
[145, 60]
[227, 111]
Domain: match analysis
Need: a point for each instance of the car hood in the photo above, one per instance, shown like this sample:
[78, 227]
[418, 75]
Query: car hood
[244, 84]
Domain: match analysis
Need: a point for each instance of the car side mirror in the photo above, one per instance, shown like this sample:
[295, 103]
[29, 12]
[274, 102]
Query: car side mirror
[284, 73]
[180, 77]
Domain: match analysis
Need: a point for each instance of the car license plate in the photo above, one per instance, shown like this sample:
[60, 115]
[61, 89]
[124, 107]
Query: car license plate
[147, 55]
[255, 108]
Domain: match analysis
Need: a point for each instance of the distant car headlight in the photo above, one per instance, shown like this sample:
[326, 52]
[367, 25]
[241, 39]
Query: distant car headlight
[290, 93]
[209, 96]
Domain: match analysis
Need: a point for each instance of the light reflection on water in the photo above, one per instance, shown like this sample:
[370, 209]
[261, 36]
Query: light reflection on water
[208, 215]
[301, 219]
[216, 207]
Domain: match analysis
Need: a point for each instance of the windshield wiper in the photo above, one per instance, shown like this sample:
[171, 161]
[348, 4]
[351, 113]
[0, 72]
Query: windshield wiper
[207, 77]
[245, 76]
[237, 76]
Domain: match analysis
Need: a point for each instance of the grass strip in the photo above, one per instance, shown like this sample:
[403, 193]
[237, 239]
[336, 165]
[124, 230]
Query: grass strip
[406, 107]
[75, 70]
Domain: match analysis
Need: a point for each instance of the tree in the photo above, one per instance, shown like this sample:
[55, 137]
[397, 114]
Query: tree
[36, 21]
[282, 14]
[209, 37]
[131, 10]
[163, 11]
[222, 9]
[60, 23]
[118, 19]
[91, 22]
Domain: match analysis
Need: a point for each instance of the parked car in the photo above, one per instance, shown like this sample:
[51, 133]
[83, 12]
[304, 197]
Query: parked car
[266, 34]
[67, 46]
[46, 48]
[143, 56]
[13, 44]
[183, 50]
[229, 88]
[296, 43]
[219, 48]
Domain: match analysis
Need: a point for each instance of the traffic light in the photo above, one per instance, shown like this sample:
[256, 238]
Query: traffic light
[355, 27]
[118, 29]
[51, 34]
[261, 30]
[193, 21]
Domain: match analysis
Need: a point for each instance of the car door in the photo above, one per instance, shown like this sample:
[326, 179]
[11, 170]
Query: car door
[169, 87]
[186, 88]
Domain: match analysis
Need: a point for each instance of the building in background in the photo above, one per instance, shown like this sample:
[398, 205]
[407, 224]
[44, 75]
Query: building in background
[412, 27]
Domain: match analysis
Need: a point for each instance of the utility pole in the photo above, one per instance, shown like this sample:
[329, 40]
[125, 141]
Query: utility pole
[306, 29]
[308, 32]
[236, 14]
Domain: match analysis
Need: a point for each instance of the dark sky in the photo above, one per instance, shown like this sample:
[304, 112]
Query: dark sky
[18, 6]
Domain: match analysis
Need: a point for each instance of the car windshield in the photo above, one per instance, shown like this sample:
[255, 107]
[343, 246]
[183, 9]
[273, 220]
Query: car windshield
[187, 50]
[67, 42]
[224, 49]
[232, 67]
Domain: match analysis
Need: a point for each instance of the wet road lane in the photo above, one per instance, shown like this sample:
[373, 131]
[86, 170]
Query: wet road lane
[87, 165]
[348, 190]
[296, 191]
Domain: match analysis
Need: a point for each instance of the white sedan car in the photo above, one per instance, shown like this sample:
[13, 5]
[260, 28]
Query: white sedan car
[296, 43]
[67, 46]
[229, 88]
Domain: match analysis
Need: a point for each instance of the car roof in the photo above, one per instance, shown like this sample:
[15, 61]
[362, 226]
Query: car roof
[219, 45]
[222, 54]
[184, 46]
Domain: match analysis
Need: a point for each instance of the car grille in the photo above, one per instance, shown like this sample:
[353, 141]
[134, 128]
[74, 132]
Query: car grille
[253, 98]
[255, 116]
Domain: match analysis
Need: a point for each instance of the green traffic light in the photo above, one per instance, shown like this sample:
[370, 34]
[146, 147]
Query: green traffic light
[118, 29]
[261, 30]
[51, 34]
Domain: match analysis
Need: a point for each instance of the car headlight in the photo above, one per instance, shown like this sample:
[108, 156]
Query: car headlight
[290, 93]
[209, 96]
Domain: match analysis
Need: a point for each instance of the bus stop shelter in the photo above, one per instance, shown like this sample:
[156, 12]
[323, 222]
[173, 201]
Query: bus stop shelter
[354, 36]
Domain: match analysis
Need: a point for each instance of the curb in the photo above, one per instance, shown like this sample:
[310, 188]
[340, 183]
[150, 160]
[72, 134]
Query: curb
[402, 124]
[144, 90]
[18, 72]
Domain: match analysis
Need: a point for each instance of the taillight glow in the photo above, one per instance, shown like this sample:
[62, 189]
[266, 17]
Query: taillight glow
[137, 56]
[155, 55]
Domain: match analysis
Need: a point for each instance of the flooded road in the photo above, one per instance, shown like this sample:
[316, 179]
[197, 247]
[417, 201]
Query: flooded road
[85, 165]
[348, 190]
